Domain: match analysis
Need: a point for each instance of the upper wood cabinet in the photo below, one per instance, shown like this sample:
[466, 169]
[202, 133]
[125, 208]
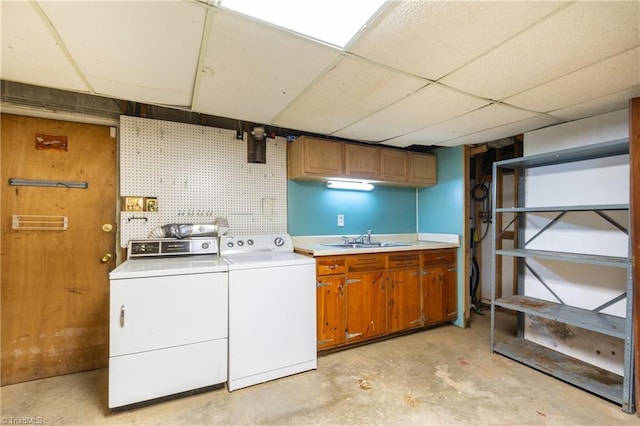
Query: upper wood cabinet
[321, 159]
[361, 161]
[311, 158]
[422, 169]
[394, 165]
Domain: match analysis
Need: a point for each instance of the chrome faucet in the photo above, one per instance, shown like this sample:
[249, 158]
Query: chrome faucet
[365, 238]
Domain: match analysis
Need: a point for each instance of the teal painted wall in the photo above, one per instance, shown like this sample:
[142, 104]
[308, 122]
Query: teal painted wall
[441, 208]
[313, 210]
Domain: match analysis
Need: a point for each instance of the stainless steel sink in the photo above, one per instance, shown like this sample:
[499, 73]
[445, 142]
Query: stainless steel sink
[366, 245]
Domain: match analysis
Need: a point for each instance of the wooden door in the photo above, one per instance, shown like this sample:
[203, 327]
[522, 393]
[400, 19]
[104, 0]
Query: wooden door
[366, 306]
[449, 292]
[55, 282]
[361, 161]
[404, 299]
[432, 295]
[330, 311]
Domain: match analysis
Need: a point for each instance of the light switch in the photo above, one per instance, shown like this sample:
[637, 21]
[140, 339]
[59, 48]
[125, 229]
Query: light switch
[340, 220]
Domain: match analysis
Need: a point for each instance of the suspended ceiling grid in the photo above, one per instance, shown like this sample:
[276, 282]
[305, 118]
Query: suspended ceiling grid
[422, 73]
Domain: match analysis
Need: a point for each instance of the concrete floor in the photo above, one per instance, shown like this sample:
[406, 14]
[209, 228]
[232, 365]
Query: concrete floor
[441, 376]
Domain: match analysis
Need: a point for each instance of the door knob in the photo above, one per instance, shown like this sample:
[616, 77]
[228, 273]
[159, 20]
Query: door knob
[107, 227]
[105, 258]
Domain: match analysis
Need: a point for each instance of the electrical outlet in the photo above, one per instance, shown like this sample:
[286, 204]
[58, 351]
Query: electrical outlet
[340, 220]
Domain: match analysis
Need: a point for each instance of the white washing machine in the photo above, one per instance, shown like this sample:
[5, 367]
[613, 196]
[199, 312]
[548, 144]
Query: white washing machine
[167, 321]
[272, 309]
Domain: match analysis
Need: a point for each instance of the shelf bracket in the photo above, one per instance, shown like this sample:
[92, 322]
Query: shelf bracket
[610, 302]
[547, 226]
[611, 221]
[535, 274]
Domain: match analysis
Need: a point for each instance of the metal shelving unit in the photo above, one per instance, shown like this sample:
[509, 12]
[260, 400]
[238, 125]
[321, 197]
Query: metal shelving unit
[611, 386]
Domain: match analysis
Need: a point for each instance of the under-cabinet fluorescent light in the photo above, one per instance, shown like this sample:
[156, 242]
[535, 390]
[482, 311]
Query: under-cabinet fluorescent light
[332, 21]
[343, 184]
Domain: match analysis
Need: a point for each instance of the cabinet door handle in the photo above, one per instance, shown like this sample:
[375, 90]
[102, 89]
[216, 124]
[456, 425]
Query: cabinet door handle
[122, 311]
[451, 269]
[353, 281]
[321, 284]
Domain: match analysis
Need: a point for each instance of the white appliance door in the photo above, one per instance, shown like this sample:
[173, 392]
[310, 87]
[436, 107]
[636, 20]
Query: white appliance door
[272, 323]
[160, 312]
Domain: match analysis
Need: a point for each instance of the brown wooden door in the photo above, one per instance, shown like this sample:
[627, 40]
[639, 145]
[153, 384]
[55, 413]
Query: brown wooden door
[366, 305]
[432, 295]
[55, 282]
[330, 311]
[404, 299]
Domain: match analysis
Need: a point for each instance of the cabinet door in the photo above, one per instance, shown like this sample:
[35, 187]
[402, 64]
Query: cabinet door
[404, 300]
[330, 311]
[423, 169]
[394, 165]
[314, 158]
[361, 161]
[432, 285]
[366, 305]
[450, 292]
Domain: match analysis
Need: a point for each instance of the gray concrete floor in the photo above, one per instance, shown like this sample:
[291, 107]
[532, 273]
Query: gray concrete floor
[441, 376]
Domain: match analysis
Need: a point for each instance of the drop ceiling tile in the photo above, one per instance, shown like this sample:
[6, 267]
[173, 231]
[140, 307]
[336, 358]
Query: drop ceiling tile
[30, 53]
[142, 51]
[431, 39]
[506, 131]
[484, 118]
[251, 71]
[430, 105]
[349, 91]
[608, 103]
[574, 37]
[620, 72]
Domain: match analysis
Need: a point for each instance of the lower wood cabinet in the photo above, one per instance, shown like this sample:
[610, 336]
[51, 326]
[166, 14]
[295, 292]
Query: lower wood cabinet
[439, 286]
[361, 297]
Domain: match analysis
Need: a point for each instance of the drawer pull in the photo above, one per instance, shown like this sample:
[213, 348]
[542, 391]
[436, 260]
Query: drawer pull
[122, 312]
[334, 266]
[439, 257]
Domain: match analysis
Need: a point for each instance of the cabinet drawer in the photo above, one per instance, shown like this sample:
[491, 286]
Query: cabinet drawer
[372, 262]
[404, 260]
[434, 257]
[331, 265]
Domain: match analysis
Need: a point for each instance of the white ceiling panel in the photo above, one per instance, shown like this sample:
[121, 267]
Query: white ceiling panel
[433, 38]
[605, 104]
[346, 93]
[484, 118]
[572, 38]
[430, 105]
[251, 71]
[508, 130]
[138, 50]
[623, 71]
[30, 53]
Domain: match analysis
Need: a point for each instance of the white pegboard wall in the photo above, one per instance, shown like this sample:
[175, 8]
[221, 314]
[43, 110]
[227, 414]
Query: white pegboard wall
[199, 173]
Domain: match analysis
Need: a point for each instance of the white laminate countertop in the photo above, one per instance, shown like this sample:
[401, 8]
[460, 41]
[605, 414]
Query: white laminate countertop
[313, 245]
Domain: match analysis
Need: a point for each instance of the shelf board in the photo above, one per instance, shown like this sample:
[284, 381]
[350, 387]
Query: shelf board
[591, 259]
[595, 207]
[583, 318]
[579, 373]
[589, 152]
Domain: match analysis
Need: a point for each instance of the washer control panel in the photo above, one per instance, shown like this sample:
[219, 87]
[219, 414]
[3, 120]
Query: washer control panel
[255, 243]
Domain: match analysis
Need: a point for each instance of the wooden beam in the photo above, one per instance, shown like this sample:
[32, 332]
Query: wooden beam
[634, 200]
